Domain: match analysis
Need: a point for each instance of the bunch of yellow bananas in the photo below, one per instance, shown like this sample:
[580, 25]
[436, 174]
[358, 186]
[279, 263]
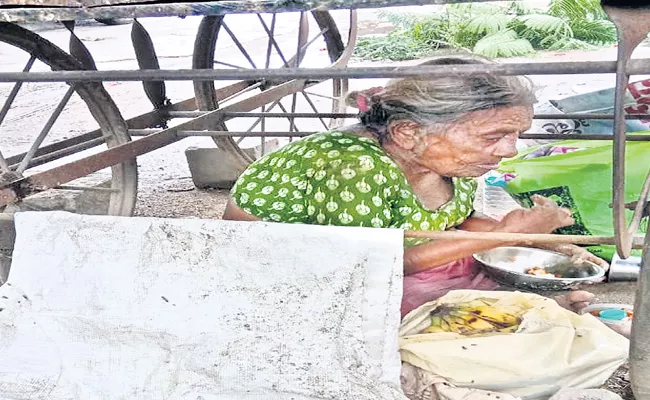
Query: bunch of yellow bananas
[475, 317]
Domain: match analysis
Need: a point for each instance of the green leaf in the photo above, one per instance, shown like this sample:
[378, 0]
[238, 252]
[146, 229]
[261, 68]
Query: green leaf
[564, 43]
[577, 9]
[520, 8]
[594, 32]
[488, 23]
[503, 44]
[547, 24]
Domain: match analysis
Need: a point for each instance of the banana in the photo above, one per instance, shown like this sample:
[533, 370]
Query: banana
[474, 317]
[474, 322]
[495, 315]
[509, 329]
[435, 325]
[434, 329]
[456, 325]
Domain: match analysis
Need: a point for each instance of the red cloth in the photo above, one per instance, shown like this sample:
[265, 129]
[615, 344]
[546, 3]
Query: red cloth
[434, 283]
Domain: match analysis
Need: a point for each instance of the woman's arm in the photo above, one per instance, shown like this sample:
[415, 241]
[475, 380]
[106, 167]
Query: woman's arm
[440, 252]
[234, 213]
[482, 223]
[545, 217]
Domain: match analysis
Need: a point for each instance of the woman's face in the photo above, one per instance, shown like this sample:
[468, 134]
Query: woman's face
[476, 144]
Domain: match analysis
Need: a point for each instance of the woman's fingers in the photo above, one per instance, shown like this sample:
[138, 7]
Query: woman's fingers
[575, 300]
[544, 201]
[580, 255]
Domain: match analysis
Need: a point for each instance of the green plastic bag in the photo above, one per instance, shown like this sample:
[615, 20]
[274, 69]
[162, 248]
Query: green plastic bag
[582, 181]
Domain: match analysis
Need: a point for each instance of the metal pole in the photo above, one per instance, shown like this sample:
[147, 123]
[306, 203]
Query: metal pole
[194, 114]
[640, 337]
[520, 237]
[640, 66]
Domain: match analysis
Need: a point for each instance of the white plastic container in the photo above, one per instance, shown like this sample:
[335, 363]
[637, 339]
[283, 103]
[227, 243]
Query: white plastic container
[621, 326]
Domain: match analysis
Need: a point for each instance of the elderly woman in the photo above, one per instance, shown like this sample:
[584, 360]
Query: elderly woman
[411, 163]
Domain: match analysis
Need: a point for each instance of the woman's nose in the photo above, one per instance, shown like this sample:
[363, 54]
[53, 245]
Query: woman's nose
[507, 147]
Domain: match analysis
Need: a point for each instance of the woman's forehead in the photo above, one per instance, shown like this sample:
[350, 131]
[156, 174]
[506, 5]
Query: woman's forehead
[505, 116]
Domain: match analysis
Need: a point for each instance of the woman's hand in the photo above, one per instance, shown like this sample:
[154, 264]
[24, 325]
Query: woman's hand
[545, 217]
[577, 254]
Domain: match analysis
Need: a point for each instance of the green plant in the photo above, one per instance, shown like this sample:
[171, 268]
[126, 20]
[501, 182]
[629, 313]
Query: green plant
[493, 30]
[504, 43]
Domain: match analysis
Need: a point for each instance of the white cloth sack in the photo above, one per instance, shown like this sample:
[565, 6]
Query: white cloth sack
[101, 307]
[420, 384]
[553, 349]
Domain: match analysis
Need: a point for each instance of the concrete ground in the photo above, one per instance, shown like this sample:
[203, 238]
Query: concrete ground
[165, 184]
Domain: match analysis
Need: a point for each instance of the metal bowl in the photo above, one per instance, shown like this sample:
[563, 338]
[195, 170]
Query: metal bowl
[508, 265]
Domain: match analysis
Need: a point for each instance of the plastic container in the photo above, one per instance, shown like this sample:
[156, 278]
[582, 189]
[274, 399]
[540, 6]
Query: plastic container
[616, 316]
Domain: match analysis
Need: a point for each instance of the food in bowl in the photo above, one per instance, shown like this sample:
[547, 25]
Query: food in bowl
[539, 271]
[536, 269]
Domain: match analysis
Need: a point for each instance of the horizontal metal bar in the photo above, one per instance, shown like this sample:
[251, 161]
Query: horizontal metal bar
[639, 66]
[589, 116]
[521, 237]
[194, 114]
[245, 134]
[25, 13]
[190, 133]
[547, 136]
[580, 136]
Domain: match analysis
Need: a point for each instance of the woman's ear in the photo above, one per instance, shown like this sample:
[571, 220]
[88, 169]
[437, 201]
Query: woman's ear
[404, 134]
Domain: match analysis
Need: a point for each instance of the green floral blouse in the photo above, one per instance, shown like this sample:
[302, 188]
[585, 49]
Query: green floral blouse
[335, 178]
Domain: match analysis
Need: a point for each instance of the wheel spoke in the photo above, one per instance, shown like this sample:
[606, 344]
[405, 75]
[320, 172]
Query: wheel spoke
[267, 63]
[304, 48]
[301, 28]
[313, 107]
[24, 163]
[248, 89]
[298, 58]
[292, 120]
[238, 44]
[14, 91]
[272, 40]
[263, 129]
[228, 64]
[269, 45]
[320, 95]
[257, 122]
[87, 188]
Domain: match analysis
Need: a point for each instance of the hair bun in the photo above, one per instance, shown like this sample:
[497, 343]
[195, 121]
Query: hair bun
[351, 99]
[363, 99]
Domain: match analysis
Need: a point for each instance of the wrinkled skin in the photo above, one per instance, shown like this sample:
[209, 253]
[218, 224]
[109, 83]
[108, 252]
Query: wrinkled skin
[471, 147]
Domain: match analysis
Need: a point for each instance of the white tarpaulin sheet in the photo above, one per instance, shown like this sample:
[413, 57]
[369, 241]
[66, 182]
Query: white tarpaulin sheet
[103, 307]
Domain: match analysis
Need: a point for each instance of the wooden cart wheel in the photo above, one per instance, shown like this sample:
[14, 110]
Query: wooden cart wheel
[234, 41]
[40, 131]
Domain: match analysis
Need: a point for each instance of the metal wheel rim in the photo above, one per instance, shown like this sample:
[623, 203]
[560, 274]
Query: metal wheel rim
[124, 176]
[203, 58]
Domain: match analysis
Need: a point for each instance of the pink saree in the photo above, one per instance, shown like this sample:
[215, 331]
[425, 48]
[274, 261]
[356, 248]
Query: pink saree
[434, 283]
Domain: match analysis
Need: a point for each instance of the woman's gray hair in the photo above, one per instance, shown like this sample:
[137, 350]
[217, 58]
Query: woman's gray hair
[438, 100]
